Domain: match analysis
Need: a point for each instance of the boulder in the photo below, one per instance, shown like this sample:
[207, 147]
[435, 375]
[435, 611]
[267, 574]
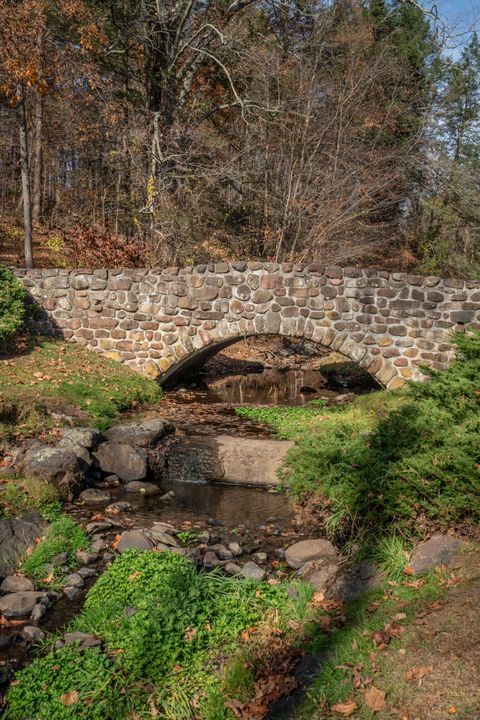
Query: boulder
[210, 560]
[221, 551]
[317, 550]
[38, 613]
[81, 453]
[18, 604]
[71, 592]
[438, 550]
[320, 575]
[16, 535]
[94, 496]
[86, 437]
[251, 571]
[86, 558]
[16, 583]
[134, 539]
[144, 434]
[58, 466]
[145, 488]
[232, 568]
[122, 459]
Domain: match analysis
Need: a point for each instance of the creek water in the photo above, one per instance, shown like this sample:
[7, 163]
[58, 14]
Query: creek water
[260, 519]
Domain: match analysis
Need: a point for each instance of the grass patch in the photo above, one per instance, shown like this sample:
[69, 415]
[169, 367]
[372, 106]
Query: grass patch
[20, 496]
[171, 647]
[354, 652]
[63, 535]
[54, 375]
[402, 461]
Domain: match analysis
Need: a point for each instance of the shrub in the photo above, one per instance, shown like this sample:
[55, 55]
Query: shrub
[392, 460]
[93, 248]
[12, 305]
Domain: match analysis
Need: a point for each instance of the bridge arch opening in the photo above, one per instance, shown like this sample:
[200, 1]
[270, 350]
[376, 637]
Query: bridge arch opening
[190, 363]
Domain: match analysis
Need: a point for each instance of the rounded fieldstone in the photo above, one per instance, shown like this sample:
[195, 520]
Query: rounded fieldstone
[94, 496]
[310, 550]
[16, 583]
[32, 633]
[74, 580]
[18, 604]
[252, 571]
[134, 539]
[438, 550]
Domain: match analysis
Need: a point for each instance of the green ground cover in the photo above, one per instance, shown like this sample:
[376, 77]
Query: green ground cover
[404, 462]
[171, 643]
[63, 535]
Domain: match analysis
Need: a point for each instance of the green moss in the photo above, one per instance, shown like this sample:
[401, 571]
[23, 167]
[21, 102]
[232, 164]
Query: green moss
[63, 535]
[389, 460]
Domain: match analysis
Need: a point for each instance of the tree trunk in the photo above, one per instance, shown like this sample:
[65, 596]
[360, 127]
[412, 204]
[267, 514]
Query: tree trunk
[27, 201]
[37, 160]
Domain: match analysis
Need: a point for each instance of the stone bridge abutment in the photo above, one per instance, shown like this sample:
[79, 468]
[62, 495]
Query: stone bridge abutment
[163, 321]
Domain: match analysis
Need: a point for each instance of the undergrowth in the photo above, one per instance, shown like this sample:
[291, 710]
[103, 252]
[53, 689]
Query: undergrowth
[56, 376]
[170, 635]
[405, 461]
[63, 536]
[20, 496]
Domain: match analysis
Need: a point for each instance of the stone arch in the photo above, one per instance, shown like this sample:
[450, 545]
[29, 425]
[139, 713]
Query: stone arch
[391, 324]
[187, 357]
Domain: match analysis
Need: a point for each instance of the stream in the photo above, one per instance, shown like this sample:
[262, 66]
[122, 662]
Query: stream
[261, 519]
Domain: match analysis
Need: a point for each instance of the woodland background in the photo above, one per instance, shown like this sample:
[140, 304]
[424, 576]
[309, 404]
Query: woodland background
[173, 132]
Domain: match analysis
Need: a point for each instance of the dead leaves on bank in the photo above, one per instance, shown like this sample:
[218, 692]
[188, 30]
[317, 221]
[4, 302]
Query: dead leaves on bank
[267, 691]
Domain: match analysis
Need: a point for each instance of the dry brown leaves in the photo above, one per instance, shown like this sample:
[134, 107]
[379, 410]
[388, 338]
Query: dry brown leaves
[417, 673]
[267, 690]
[70, 698]
[375, 699]
[345, 708]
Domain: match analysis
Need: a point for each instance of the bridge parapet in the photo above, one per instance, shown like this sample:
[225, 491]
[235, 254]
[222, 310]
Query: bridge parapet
[161, 321]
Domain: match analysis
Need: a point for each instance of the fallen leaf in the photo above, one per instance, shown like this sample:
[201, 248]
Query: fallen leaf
[416, 673]
[375, 699]
[408, 570]
[452, 709]
[70, 698]
[346, 708]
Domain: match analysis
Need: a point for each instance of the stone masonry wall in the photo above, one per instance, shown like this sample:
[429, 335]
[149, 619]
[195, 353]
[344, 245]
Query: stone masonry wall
[155, 320]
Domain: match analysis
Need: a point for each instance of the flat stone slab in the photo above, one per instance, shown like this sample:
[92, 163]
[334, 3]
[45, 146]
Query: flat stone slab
[315, 550]
[438, 550]
[144, 434]
[230, 460]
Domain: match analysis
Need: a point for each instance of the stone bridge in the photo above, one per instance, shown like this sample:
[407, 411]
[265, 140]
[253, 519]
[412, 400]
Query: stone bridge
[164, 321]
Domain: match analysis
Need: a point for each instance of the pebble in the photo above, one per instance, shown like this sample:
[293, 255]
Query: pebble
[33, 634]
[232, 568]
[120, 506]
[251, 571]
[214, 522]
[221, 552]
[260, 557]
[37, 613]
[86, 572]
[71, 592]
[144, 488]
[74, 580]
[86, 558]
[94, 496]
[235, 549]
